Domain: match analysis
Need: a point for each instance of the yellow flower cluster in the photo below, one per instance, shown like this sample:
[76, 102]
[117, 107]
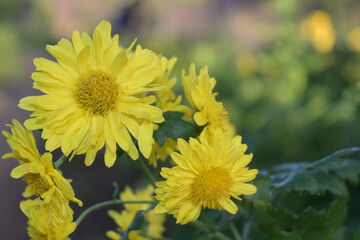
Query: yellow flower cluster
[123, 219]
[211, 169]
[49, 213]
[97, 94]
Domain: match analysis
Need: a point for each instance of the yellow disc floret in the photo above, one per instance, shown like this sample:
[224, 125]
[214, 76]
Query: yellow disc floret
[211, 185]
[97, 92]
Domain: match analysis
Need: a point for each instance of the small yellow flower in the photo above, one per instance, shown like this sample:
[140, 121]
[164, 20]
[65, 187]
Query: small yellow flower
[96, 94]
[45, 221]
[199, 92]
[123, 219]
[353, 39]
[318, 29]
[208, 173]
[37, 171]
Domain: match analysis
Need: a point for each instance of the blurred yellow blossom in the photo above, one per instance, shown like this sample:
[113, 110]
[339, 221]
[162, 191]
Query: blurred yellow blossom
[123, 219]
[353, 39]
[318, 29]
[246, 64]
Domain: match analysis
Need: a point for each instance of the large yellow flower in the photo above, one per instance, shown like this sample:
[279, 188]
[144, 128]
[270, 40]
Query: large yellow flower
[38, 171]
[123, 219]
[199, 92]
[96, 93]
[208, 173]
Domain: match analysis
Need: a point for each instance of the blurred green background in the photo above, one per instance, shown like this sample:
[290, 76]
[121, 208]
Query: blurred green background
[288, 71]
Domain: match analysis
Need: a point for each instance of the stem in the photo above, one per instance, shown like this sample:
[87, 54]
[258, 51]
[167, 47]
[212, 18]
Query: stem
[105, 204]
[235, 231]
[147, 171]
[247, 227]
[216, 235]
[116, 191]
[60, 161]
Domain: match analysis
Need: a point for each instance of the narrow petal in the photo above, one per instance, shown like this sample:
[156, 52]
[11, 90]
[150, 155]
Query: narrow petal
[145, 139]
[188, 212]
[228, 205]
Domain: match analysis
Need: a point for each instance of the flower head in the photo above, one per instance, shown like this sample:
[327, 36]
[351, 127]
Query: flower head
[36, 170]
[207, 174]
[96, 94]
[353, 39]
[123, 219]
[46, 222]
[318, 29]
[199, 92]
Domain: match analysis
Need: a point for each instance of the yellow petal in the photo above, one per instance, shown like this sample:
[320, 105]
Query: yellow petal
[145, 139]
[228, 205]
[188, 212]
[20, 171]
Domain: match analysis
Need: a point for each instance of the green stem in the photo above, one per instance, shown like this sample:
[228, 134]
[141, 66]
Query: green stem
[60, 161]
[146, 170]
[247, 227]
[215, 234]
[116, 191]
[106, 204]
[235, 231]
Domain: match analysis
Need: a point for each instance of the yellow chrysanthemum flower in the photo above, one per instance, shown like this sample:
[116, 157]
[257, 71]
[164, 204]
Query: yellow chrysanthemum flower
[318, 29]
[199, 92]
[353, 39]
[124, 218]
[207, 174]
[96, 94]
[46, 222]
[38, 171]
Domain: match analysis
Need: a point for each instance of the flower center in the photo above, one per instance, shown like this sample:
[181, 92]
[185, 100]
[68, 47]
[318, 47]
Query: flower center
[97, 92]
[210, 185]
[34, 181]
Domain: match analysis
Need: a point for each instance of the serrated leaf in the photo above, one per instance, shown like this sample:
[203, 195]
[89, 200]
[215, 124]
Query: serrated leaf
[175, 127]
[327, 174]
[263, 184]
[282, 224]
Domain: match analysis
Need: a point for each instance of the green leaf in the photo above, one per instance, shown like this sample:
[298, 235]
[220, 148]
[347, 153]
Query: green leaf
[281, 224]
[139, 222]
[263, 184]
[327, 174]
[175, 127]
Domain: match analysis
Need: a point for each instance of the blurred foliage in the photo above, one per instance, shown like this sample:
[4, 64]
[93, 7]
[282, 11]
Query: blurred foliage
[10, 53]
